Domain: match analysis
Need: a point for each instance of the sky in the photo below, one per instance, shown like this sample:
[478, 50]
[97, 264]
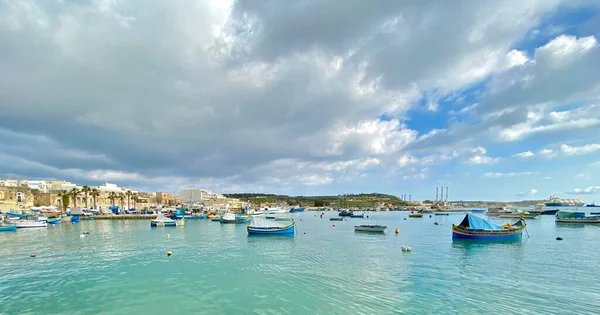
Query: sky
[497, 100]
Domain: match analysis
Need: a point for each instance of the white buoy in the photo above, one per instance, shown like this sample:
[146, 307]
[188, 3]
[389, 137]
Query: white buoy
[168, 235]
[406, 249]
[82, 235]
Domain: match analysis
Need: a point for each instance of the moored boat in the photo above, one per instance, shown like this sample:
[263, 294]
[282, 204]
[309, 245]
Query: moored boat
[345, 213]
[236, 219]
[370, 228]
[54, 221]
[516, 215]
[162, 220]
[576, 217]
[415, 215]
[297, 209]
[263, 226]
[473, 227]
[196, 217]
[23, 224]
[336, 219]
[441, 213]
[549, 212]
[7, 227]
[362, 216]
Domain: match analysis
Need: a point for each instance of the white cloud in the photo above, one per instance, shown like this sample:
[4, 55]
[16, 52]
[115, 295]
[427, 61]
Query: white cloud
[591, 190]
[586, 149]
[479, 157]
[509, 174]
[547, 153]
[548, 178]
[525, 154]
[531, 192]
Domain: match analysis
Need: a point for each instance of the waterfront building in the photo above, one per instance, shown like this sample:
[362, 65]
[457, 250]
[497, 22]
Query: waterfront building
[166, 199]
[192, 196]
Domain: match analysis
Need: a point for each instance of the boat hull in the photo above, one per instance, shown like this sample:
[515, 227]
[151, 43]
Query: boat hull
[480, 235]
[54, 221]
[271, 230]
[372, 229]
[30, 225]
[236, 221]
[295, 210]
[550, 212]
[336, 219]
[414, 215]
[361, 216]
[517, 215]
[8, 228]
[586, 220]
[196, 217]
[162, 224]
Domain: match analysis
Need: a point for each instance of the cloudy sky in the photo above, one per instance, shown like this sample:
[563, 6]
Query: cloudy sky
[494, 99]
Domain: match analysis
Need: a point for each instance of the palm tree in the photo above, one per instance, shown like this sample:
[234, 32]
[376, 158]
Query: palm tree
[121, 197]
[95, 195]
[64, 199]
[74, 193]
[128, 193]
[135, 200]
[112, 196]
[86, 190]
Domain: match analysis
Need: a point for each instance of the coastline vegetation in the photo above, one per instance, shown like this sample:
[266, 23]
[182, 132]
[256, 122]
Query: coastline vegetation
[346, 200]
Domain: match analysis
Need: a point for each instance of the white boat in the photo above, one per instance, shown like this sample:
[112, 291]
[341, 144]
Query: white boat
[21, 224]
[370, 228]
[272, 212]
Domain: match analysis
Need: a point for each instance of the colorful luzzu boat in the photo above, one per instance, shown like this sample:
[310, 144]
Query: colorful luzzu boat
[266, 227]
[161, 220]
[473, 227]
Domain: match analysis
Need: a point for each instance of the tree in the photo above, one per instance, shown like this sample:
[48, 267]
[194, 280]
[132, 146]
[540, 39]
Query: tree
[112, 196]
[95, 195]
[74, 193]
[128, 193]
[86, 190]
[321, 203]
[65, 197]
[121, 197]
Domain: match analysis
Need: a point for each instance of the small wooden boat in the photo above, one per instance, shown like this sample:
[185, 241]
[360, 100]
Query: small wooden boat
[370, 228]
[473, 227]
[217, 219]
[345, 213]
[54, 221]
[235, 219]
[161, 221]
[336, 219]
[415, 215]
[441, 213]
[516, 215]
[7, 227]
[24, 224]
[549, 212]
[263, 226]
[297, 209]
[362, 216]
[576, 217]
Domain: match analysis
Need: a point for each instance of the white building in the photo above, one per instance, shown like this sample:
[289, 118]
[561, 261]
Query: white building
[40, 185]
[108, 187]
[198, 195]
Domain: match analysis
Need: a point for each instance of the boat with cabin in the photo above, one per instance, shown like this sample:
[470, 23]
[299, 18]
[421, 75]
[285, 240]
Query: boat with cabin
[345, 213]
[370, 228]
[473, 227]
[576, 217]
[162, 221]
[235, 219]
[262, 226]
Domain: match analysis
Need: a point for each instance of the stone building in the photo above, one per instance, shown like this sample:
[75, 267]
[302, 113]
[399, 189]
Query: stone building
[15, 198]
[166, 199]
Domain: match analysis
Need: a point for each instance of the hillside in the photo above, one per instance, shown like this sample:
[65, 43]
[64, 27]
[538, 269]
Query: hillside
[348, 200]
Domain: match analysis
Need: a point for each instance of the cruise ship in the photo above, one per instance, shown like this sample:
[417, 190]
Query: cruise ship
[559, 202]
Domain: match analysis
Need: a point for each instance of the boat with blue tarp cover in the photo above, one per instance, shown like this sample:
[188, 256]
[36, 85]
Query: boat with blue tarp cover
[473, 227]
[263, 226]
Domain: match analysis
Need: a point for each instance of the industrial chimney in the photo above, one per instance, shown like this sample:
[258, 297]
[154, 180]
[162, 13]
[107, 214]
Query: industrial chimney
[436, 193]
[446, 193]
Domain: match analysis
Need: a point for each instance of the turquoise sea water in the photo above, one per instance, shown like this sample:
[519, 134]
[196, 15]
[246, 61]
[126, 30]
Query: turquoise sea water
[121, 267]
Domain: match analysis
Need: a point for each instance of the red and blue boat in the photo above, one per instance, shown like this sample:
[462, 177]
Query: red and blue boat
[473, 227]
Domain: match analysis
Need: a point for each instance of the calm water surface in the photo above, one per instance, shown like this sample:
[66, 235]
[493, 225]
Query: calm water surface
[121, 267]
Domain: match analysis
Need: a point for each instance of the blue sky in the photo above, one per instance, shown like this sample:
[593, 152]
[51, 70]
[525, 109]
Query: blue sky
[495, 100]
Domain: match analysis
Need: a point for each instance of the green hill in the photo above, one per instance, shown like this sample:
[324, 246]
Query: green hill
[348, 200]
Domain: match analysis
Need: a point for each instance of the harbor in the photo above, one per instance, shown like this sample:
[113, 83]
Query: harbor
[219, 269]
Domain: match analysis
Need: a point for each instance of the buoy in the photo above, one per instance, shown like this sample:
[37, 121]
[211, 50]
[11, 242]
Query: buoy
[404, 218]
[304, 233]
[82, 235]
[397, 230]
[559, 238]
[86, 233]
[334, 225]
[168, 235]
[435, 223]
[32, 255]
[406, 249]
[169, 253]
[430, 215]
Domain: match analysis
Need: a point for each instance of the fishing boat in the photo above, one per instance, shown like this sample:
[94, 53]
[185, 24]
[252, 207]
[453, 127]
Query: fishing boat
[272, 212]
[336, 219]
[297, 209]
[162, 220]
[576, 217]
[232, 218]
[24, 224]
[549, 212]
[473, 227]
[477, 210]
[496, 211]
[516, 215]
[362, 216]
[415, 215]
[216, 219]
[370, 228]
[592, 205]
[263, 226]
[13, 215]
[7, 227]
[441, 213]
[54, 221]
[345, 213]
